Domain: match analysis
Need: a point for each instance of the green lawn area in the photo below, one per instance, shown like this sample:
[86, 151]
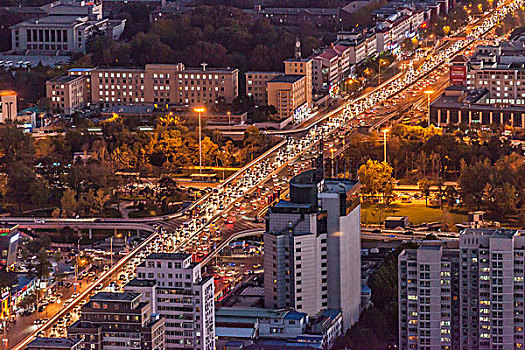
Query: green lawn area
[417, 214]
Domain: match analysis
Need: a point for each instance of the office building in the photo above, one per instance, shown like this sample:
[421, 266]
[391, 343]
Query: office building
[287, 93]
[178, 292]
[8, 105]
[312, 248]
[301, 66]
[40, 343]
[67, 93]
[428, 298]
[56, 34]
[118, 321]
[487, 281]
[155, 84]
[256, 86]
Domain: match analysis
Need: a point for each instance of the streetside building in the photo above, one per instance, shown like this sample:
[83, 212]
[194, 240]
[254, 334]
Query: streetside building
[287, 93]
[67, 93]
[118, 320]
[179, 293]
[459, 105]
[155, 84]
[8, 105]
[257, 84]
[312, 260]
[41, 343]
[301, 66]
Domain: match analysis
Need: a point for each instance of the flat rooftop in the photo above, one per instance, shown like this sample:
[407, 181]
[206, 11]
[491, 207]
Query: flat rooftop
[141, 283]
[288, 78]
[54, 20]
[168, 256]
[338, 185]
[111, 296]
[53, 343]
[65, 78]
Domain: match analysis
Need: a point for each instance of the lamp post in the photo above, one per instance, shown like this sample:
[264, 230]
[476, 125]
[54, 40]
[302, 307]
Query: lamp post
[200, 110]
[381, 62]
[332, 150]
[429, 93]
[111, 249]
[78, 261]
[229, 124]
[384, 143]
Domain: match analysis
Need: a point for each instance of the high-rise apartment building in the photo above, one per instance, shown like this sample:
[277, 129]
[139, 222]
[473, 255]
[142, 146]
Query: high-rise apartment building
[66, 93]
[428, 298]
[489, 288]
[118, 321]
[312, 248]
[177, 290]
[287, 93]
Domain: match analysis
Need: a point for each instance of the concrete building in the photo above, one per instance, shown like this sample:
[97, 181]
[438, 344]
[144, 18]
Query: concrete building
[156, 83]
[287, 93]
[67, 93]
[301, 66]
[459, 105]
[487, 281]
[312, 248]
[256, 85]
[56, 34]
[118, 321]
[319, 17]
[178, 292]
[428, 298]
[55, 344]
[8, 105]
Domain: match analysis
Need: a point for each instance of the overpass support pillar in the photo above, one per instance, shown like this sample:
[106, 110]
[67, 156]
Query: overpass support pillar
[138, 233]
[90, 233]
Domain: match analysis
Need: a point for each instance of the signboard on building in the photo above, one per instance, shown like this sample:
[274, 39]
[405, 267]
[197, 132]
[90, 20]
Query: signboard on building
[458, 75]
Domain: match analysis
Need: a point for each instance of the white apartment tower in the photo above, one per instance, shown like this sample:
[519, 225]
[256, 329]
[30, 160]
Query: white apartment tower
[176, 289]
[312, 248]
[489, 288]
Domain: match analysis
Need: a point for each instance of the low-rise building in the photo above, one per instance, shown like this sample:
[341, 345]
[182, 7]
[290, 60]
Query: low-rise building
[256, 85]
[56, 34]
[161, 84]
[55, 344]
[8, 105]
[118, 320]
[67, 93]
[287, 93]
[459, 105]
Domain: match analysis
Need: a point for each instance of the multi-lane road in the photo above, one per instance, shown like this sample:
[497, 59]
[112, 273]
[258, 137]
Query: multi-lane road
[241, 193]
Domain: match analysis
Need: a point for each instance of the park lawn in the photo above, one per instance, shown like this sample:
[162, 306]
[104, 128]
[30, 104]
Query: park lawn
[417, 213]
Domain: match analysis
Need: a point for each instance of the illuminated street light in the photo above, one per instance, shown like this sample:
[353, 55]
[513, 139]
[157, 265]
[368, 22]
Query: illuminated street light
[384, 142]
[200, 110]
[429, 93]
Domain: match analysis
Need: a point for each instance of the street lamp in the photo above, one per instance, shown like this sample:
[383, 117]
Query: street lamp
[429, 93]
[381, 62]
[229, 124]
[332, 150]
[200, 110]
[76, 265]
[384, 143]
[111, 248]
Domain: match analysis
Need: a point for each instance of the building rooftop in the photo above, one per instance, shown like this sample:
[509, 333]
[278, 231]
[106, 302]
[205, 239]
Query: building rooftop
[53, 343]
[339, 185]
[493, 232]
[295, 315]
[55, 21]
[111, 296]
[65, 78]
[430, 247]
[7, 93]
[80, 70]
[141, 283]
[286, 78]
[168, 256]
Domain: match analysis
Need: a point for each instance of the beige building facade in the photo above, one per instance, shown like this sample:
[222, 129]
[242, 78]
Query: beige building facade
[287, 93]
[67, 93]
[256, 85]
[8, 105]
[302, 66]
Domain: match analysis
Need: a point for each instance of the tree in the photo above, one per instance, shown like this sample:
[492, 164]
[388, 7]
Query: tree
[375, 178]
[424, 187]
[69, 202]
[472, 182]
[253, 141]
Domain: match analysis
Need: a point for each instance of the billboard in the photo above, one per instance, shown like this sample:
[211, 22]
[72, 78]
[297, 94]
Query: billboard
[458, 75]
